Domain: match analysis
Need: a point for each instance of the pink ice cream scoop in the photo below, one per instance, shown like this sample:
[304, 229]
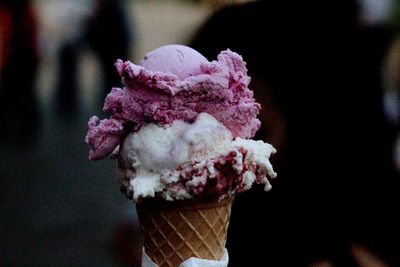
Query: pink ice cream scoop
[175, 82]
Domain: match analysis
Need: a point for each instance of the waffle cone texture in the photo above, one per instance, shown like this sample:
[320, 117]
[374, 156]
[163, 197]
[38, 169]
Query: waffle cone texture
[175, 231]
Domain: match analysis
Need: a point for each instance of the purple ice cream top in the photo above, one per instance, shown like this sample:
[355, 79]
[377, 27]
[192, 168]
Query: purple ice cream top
[175, 82]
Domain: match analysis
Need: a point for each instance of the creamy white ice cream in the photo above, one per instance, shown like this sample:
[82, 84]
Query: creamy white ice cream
[176, 161]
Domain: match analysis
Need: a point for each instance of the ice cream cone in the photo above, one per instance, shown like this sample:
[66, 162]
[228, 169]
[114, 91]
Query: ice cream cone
[175, 231]
[181, 128]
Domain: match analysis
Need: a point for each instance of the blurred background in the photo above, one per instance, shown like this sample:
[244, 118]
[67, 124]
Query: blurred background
[327, 74]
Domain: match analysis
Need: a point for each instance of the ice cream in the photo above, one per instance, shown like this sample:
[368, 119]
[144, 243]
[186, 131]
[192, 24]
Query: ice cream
[179, 87]
[181, 124]
[185, 160]
[180, 129]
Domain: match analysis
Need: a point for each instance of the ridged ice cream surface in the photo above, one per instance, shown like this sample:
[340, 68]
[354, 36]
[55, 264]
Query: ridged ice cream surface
[181, 125]
[165, 93]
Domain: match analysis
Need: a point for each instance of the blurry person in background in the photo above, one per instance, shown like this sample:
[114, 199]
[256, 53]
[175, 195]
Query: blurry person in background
[106, 31]
[391, 75]
[18, 65]
[317, 72]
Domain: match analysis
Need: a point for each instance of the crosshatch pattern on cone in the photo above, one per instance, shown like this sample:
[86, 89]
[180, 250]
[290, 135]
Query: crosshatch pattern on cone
[176, 231]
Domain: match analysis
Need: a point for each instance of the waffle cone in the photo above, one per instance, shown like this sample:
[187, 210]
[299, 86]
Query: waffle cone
[175, 231]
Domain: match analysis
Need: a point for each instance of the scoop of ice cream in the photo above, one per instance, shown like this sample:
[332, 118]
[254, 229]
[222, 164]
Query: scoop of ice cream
[156, 150]
[177, 83]
[178, 60]
[185, 160]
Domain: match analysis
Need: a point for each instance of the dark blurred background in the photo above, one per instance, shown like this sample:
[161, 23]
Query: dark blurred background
[327, 74]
